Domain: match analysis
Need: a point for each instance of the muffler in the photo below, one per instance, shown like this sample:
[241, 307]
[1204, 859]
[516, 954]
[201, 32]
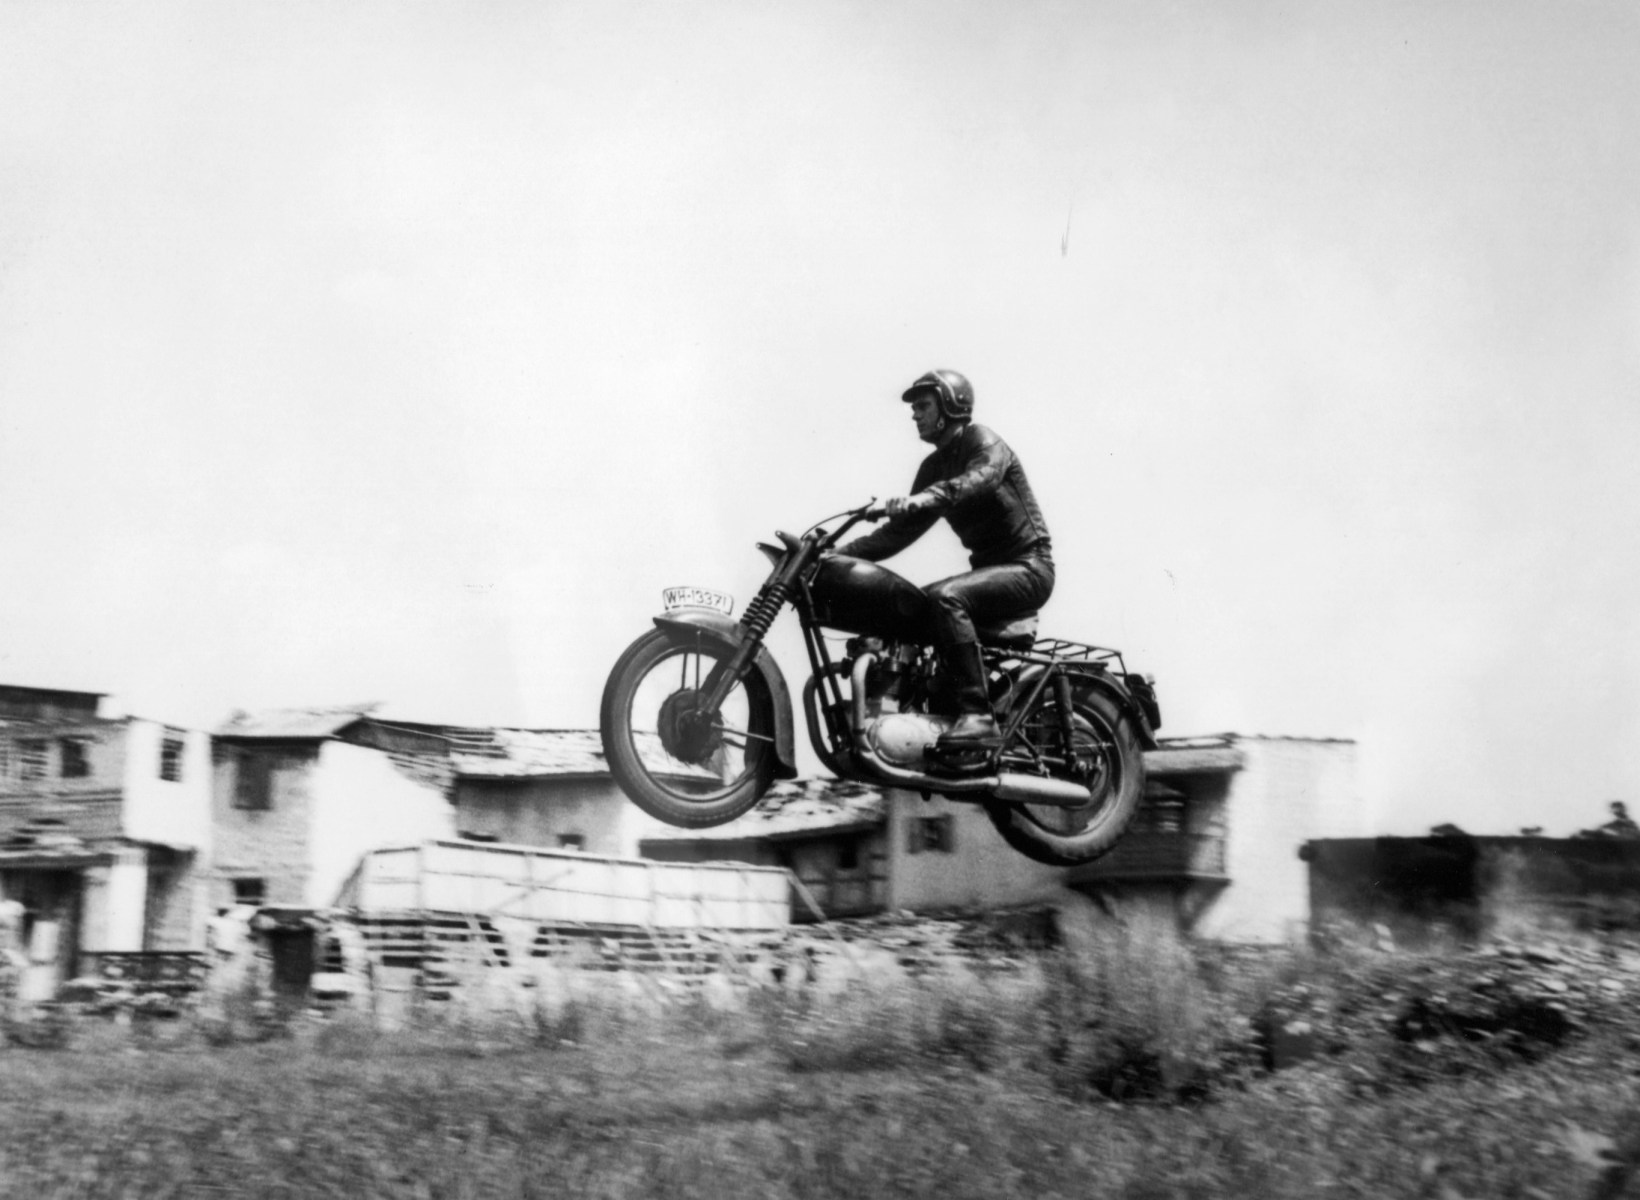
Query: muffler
[1039, 789]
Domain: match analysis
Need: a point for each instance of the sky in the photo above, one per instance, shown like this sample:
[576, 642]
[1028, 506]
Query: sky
[404, 352]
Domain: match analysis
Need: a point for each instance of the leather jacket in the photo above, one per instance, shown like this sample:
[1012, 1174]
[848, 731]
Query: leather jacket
[981, 490]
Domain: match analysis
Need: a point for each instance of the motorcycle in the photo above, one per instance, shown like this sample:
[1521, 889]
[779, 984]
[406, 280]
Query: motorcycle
[697, 721]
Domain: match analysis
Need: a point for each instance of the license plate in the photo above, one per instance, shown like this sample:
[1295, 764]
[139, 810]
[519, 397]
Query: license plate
[694, 597]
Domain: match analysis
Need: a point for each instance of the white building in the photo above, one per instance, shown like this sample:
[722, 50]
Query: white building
[1217, 842]
[302, 794]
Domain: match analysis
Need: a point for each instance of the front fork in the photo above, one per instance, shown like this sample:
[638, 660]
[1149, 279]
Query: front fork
[760, 614]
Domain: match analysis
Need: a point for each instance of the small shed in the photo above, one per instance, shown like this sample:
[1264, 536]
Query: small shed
[565, 887]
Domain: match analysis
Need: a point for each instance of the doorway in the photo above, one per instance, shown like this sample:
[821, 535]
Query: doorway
[51, 901]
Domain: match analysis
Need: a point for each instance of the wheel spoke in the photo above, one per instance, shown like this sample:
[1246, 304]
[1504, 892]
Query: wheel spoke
[746, 735]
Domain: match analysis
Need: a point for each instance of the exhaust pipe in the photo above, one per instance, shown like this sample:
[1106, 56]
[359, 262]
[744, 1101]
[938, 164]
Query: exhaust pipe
[1039, 789]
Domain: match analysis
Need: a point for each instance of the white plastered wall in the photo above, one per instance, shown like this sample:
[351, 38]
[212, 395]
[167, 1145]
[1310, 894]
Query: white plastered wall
[1289, 791]
[981, 871]
[171, 812]
[362, 802]
[115, 902]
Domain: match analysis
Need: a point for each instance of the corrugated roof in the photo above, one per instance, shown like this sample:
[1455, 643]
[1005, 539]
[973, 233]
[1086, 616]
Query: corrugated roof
[1229, 739]
[1290, 737]
[24, 689]
[65, 722]
[293, 723]
[1203, 742]
[801, 807]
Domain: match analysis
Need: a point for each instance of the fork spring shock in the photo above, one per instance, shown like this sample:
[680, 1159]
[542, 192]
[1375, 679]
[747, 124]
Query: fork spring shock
[763, 609]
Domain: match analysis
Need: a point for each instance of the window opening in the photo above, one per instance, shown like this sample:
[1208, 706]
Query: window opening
[33, 758]
[170, 758]
[930, 835]
[253, 782]
[75, 763]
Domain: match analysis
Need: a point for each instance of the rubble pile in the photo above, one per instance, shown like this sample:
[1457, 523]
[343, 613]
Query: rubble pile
[106, 997]
[1408, 1018]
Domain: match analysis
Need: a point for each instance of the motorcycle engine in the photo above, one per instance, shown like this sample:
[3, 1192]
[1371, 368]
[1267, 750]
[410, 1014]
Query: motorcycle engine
[900, 739]
[898, 736]
[892, 684]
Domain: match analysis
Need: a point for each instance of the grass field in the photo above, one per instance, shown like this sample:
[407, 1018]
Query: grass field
[934, 1088]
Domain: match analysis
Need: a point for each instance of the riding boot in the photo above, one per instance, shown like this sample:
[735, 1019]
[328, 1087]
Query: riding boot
[976, 727]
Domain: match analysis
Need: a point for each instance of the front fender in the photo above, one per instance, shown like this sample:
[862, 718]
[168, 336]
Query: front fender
[684, 625]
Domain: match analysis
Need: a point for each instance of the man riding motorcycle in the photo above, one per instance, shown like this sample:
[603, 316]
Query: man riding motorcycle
[978, 485]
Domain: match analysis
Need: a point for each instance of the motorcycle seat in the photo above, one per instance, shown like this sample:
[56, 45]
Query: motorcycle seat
[1017, 634]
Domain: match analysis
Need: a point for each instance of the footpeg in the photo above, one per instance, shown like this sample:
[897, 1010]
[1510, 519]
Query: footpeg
[972, 731]
[958, 760]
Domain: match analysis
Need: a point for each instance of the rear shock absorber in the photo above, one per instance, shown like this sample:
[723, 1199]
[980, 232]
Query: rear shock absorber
[1067, 718]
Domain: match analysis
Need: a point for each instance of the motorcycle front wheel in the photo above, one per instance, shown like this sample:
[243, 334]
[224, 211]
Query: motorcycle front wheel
[676, 761]
[1105, 737]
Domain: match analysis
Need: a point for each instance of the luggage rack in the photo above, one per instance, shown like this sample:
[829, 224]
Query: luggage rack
[1060, 650]
[1098, 657]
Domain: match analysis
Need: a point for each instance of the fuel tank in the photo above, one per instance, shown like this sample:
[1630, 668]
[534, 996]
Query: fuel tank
[857, 596]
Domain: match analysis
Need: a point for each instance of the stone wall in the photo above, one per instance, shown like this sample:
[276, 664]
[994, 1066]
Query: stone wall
[272, 843]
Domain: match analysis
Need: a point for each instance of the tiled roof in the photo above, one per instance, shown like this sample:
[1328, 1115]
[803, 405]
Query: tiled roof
[805, 806]
[526, 753]
[293, 723]
[504, 753]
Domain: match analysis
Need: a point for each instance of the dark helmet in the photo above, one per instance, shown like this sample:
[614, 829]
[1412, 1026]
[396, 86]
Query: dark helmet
[954, 392]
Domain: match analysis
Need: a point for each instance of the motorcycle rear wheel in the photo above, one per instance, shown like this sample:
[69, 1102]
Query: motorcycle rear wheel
[1065, 837]
[677, 764]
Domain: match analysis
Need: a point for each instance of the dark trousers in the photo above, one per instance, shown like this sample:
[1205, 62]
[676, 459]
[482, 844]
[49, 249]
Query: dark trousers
[988, 595]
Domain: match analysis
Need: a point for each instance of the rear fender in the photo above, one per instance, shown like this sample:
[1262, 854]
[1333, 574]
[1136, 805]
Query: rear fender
[1095, 680]
[683, 626]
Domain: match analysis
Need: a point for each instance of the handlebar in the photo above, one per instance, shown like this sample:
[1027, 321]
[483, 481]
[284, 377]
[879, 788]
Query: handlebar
[873, 511]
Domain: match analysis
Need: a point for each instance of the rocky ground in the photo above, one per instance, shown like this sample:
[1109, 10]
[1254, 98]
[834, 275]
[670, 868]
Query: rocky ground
[1382, 1015]
[1392, 1017]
